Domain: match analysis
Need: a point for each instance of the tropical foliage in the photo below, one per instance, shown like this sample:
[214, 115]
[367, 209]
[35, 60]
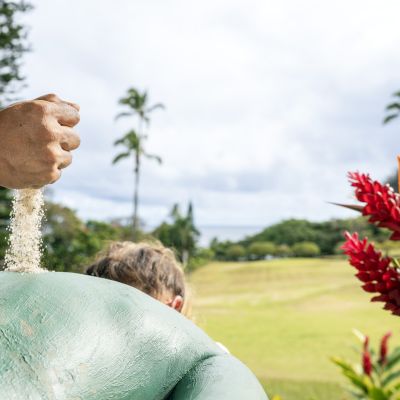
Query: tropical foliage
[179, 233]
[377, 375]
[13, 45]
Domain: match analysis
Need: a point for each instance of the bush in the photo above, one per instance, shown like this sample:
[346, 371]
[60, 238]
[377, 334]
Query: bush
[283, 250]
[259, 250]
[235, 252]
[306, 249]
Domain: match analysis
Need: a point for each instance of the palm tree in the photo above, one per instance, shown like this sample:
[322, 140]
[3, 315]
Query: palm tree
[133, 141]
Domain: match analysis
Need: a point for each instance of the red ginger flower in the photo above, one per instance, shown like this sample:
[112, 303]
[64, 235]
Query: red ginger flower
[384, 348]
[374, 271]
[366, 358]
[382, 203]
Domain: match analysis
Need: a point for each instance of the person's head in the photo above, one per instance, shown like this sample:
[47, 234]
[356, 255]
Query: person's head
[149, 267]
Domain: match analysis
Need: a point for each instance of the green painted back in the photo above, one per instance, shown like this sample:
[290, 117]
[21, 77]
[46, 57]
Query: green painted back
[70, 336]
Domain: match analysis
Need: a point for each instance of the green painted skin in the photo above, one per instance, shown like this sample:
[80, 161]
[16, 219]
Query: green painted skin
[70, 336]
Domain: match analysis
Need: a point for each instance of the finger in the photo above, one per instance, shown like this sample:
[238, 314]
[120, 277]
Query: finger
[65, 160]
[66, 114]
[55, 176]
[69, 139]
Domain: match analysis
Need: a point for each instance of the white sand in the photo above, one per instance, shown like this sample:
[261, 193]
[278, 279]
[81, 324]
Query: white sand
[25, 243]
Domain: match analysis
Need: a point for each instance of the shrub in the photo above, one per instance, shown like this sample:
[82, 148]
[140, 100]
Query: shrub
[259, 250]
[235, 252]
[306, 249]
[283, 250]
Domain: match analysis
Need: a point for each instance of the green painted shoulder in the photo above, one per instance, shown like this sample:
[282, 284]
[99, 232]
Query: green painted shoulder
[71, 336]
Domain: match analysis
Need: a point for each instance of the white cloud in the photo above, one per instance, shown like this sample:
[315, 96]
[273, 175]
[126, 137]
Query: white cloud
[268, 103]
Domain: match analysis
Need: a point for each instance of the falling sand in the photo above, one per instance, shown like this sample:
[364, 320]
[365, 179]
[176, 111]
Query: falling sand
[25, 243]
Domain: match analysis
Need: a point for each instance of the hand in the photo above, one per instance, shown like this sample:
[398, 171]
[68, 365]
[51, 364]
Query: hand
[36, 139]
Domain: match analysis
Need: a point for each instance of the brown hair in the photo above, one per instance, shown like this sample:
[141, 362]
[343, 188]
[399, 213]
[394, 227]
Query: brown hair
[149, 267]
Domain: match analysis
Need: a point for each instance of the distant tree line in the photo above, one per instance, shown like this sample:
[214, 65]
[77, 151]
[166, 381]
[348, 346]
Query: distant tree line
[70, 244]
[296, 238]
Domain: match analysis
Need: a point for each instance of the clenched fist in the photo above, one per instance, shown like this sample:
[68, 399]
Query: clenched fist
[36, 139]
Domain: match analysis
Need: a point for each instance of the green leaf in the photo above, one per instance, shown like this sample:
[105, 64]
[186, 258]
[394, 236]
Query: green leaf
[343, 364]
[396, 262]
[390, 378]
[123, 114]
[393, 106]
[153, 157]
[357, 395]
[360, 381]
[389, 118]
[158, 106]
[377, 394]
[120, 157]
[120, 141]
[393, 358]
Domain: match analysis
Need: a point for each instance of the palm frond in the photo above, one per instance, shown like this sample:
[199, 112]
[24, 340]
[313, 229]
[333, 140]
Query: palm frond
[390, 118]
[120, 157]
[393, 106]
[120, 141]
[123, 114]
[158, 106]
[153, 157]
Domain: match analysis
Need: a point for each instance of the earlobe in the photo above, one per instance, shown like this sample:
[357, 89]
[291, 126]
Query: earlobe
[177, 303]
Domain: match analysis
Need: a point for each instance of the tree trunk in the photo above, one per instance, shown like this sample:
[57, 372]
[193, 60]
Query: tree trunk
[135, 221]
[185, 258]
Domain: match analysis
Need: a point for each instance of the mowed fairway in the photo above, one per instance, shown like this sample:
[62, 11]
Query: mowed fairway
[285, 318]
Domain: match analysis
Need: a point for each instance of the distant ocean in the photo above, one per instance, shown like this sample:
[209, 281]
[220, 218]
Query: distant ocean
[233, 233]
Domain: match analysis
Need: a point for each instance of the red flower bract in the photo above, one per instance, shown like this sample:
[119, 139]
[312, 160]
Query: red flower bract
[384, 349]
[366, 358]
[374, 271]
[382, 203]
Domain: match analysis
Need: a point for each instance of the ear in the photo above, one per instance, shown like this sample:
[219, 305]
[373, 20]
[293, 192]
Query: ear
[177, 303]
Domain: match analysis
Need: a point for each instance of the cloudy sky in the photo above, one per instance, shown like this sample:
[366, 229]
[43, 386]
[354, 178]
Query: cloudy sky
[268, 103]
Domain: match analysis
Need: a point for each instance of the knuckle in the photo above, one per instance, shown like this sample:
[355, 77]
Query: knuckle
[77, 116]
[77, 139]
[45, 135]
[50, 157]
[50, 97]
[54, 175]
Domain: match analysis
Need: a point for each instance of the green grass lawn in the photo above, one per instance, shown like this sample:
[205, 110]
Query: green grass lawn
[285, 318]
